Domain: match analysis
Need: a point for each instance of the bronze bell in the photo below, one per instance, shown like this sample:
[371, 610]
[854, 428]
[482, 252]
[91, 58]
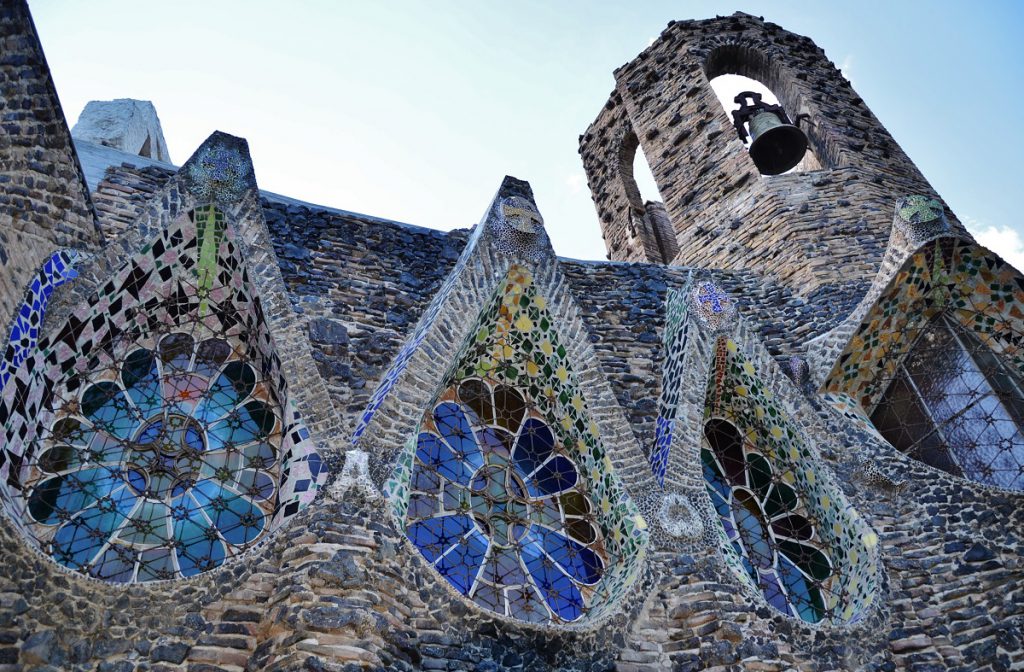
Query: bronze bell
[777, 144]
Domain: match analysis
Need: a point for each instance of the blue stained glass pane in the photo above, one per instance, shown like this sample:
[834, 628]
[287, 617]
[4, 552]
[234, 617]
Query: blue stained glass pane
[453, 425]
[71, 493]
[804, 597]
[462, 563]
[234, 384]
[106, 406]
[78, 540]
[147, 524]
[142, 381]
[116, 564]
[434, 536]
[247, 424]
[560, 593]
[773, 592]
[199, 547]
[554, 476]
[534, 445]
[434, 453]
[237, 519]
[575, 559]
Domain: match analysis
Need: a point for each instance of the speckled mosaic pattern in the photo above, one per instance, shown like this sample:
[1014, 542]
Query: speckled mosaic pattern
[785, 529]
[676, 307]
[147, 438]
[28, 320]
[506, 490]
[980, 298]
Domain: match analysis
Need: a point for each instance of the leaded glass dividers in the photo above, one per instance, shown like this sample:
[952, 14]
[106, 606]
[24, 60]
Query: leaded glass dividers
[166, 446]
[952, 403]
[981, 298]
[506, 490]
[785, 529]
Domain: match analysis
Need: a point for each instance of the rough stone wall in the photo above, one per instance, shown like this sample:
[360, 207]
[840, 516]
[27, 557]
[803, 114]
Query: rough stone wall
[44, 204]
[808, 229]
[123, 193]
[360, 284]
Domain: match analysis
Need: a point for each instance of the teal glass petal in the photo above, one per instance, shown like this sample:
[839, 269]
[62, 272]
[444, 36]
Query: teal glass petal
[198, 546]
[237, 519]
[66, 495]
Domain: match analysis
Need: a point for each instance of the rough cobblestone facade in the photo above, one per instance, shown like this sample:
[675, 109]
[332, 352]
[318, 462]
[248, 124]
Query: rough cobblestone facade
[742, 298]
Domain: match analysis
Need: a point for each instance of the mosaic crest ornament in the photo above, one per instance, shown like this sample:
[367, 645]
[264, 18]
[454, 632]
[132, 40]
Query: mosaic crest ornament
[518, 228]
[166, 446]
[506, 490]
[715, 309]
[937, 363]
[220, 174]
[785, 529]
[920, 217]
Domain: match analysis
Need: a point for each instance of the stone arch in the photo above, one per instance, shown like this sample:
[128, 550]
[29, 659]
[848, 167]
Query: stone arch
[752, 62]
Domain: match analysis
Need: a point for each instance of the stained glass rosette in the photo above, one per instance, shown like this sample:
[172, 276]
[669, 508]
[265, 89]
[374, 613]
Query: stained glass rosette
[506, 490]
[163, 466]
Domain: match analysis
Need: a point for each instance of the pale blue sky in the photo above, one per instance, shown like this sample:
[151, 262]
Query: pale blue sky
[415, 110]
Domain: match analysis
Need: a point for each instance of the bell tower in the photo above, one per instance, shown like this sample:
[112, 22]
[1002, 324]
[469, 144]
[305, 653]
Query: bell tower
[823, 226]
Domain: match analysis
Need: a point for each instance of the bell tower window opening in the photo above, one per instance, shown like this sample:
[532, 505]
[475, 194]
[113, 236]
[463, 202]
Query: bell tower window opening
[647, 215]
[954, 404]
[727, 88]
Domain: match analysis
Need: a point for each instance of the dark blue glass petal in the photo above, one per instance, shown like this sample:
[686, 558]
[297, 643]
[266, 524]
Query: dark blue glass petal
[142, 382]
[559, 592]
[554, 476]
[106, 406]
[533, 447]
[198, 547]
[237, 519]
[575, 559]
[78, 540]
[434, 453]
[453, 426]
[434, 536]
[804, 596]
[462, 563]
[70, 493]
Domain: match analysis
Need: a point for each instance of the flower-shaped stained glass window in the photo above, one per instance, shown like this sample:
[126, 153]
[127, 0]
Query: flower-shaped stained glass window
[766, 524]
[498, 506]
[162, 466]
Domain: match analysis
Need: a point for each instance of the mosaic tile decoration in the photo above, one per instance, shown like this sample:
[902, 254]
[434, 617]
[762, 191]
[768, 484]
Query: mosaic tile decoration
[920, 217]
[28, 321]
[713, 306]
[674, 341]
[149, 438]
[953, 292]
[506, 489]
[785, 529]
[519, 228]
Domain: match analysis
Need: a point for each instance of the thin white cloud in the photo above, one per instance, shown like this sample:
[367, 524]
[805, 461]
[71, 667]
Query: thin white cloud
[846, 68]
[1003, 240]
[575, 183]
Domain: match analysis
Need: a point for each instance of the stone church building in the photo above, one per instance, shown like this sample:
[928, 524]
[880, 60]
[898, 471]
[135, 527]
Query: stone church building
[782, 428]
